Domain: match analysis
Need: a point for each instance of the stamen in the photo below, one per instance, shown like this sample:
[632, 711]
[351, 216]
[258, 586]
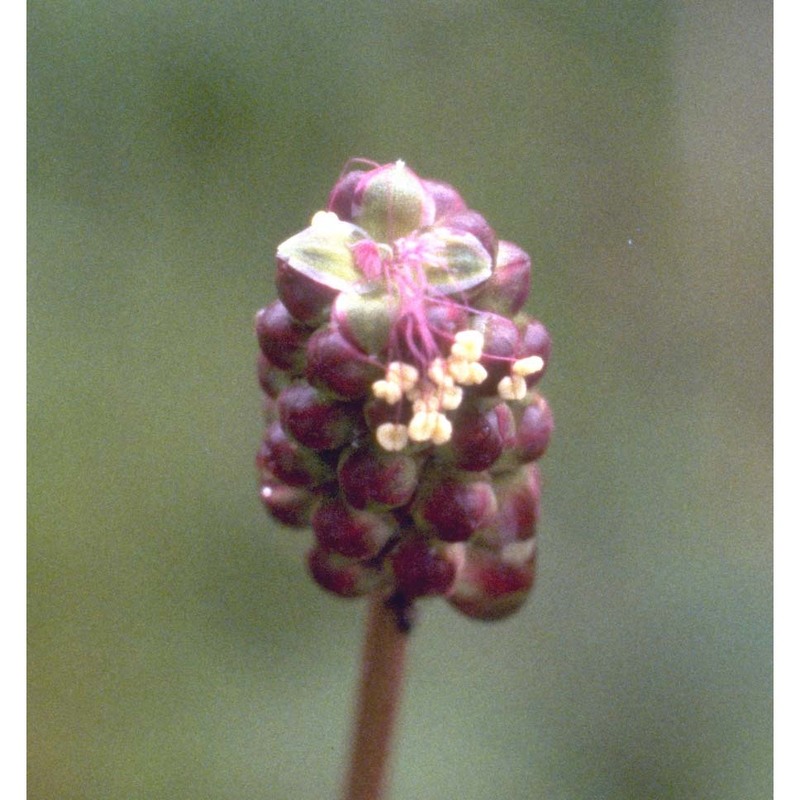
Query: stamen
[388, 391]
[442, 431]
[437, 372]
[468, 345]
[512, 387]
[467, 373]
[406, 375]
[392, 436]
[459, 369]
[451, 397]
[528, 366]
[426, 403]
[422, 426]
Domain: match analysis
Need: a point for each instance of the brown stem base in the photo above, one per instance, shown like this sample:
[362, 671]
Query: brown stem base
[379, 693]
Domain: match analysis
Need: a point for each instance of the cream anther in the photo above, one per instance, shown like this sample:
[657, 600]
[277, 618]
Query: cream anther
[392, 436]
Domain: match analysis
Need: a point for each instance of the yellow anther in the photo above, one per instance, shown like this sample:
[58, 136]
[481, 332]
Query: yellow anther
[442, 430]
[428, 402]
[451, 397]
[422, 426]
[437, 372]
[413, 394]
[475, 374]
[528, 366]
[467, 373]
[392, 436]
[458, 369]
[512, 387]
[406, 375]
[468, 345]
[389, 391]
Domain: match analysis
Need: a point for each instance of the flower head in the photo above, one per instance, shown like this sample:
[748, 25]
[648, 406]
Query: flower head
[399, 377]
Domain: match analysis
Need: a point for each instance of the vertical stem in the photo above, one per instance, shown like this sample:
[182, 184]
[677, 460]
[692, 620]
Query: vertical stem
[379, 691]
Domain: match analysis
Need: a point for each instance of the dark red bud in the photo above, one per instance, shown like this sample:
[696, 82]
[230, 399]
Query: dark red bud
[308, 300]
[349, 532]
[342, 576]
[535, 341]
[292, 463]
[421, 569]
[340, 200]
[289, 505]
[315, 420]
[480, 436]
[506, 291]
[282, 338]
[372, 477]
[534, 429]
[518, 497]
[272, 379]
[492, 585]
[335, 364]
[500, 343]
[469, 221]
[446, 198]
[452, 508]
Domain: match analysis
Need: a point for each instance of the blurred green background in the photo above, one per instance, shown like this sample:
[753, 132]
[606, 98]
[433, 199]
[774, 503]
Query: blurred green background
[176, 648]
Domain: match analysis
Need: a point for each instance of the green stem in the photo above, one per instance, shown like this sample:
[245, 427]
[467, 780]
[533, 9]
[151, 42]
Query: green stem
[379, 693]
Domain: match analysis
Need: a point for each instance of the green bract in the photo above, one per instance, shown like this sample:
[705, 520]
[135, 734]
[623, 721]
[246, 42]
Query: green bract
[366, 319]
[453, 261]
[323, 252]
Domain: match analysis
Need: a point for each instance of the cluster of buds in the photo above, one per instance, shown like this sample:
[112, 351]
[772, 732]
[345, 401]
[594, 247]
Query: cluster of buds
[402, 418]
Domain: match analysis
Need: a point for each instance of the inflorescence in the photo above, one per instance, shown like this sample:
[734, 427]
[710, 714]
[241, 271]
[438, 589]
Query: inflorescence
[399, 374]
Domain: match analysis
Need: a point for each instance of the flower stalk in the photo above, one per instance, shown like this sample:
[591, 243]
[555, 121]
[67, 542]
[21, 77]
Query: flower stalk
[380, 690]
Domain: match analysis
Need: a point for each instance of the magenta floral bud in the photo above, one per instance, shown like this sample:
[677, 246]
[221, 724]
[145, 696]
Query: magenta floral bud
[282, 338]
[315, 420]
[480, 436]
[346, 577]
[453, 506]
[535, 341]
[421, 568]
[445, 319]
[306, 299]
[336, 365]
[534, 429]
[288, 504]
[493, 585]
[371, 477]
[349, 532]
[501, 342]
[397, 372]
[518, 498]
[340, 200]
[446, 198]
[469, 221]
[292, 463]
[271, 378]
[506, 291]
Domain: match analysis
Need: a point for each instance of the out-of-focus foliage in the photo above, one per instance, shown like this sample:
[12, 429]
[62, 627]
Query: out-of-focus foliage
[176, 648]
